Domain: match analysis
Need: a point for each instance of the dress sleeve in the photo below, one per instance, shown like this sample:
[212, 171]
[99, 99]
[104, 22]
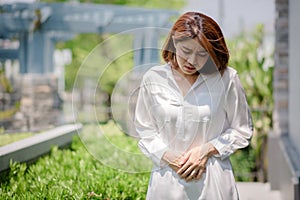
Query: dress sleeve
[150, 142]
[240, 129]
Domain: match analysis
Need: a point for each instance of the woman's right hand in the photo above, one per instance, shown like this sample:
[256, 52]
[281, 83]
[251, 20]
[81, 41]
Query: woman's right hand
[173, 160]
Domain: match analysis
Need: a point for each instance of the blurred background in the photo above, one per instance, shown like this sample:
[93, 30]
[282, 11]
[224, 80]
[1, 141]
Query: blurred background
[48, 78]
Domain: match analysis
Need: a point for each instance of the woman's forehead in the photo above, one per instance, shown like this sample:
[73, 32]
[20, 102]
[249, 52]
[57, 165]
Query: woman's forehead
[192, 44]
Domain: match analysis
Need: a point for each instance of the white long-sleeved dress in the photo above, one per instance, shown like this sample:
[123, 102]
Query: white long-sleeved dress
[214, 110]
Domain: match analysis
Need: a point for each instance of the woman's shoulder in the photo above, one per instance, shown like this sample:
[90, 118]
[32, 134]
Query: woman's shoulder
[230, 72]
[156, 72]
[229, 76]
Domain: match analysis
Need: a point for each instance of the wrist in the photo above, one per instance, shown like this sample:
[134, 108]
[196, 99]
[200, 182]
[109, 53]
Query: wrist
[211, 150]
[171, 158]
[165, 157]
[168, 157]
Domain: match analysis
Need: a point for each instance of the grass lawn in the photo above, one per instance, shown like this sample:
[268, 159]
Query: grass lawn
[6, 138]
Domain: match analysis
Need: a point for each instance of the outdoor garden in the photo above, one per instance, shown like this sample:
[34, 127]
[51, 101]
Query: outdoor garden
[88, 169]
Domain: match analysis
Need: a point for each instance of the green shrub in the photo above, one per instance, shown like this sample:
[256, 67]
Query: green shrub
[255, 67]
[72, 174]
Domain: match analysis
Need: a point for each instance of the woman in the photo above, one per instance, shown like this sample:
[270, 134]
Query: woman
[192, 114]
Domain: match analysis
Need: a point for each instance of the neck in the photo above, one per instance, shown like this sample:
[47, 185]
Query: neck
[180, 76]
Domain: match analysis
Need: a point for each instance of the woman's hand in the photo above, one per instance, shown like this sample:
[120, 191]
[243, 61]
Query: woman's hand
[173, 160]
[193, 164]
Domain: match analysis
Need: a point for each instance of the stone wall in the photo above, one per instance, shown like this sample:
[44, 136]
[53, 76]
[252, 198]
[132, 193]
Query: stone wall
[280, 116]
[40, 104]
[283, 157]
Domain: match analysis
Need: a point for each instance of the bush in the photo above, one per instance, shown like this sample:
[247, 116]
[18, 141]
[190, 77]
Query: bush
[255, 67]
[72, 174]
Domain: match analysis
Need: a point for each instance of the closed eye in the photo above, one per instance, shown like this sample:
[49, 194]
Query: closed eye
[186, 52]
[202, 54]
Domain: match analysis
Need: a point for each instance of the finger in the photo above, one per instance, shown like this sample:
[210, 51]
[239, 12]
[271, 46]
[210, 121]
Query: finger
[200, 172]
[192, 175]
[187, 172]
[184, 158]
[183, 168]
[189, 178]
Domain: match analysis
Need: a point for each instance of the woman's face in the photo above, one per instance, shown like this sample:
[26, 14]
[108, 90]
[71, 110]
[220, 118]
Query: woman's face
[191, 56]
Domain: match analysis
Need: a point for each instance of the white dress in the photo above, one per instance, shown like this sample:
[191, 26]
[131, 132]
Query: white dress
[214, 110]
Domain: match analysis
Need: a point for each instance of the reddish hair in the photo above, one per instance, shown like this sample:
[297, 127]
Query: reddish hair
[205, 30]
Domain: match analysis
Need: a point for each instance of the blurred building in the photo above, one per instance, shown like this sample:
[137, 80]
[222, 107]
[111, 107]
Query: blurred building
[236, 16]
[284, 149]
[35, 28]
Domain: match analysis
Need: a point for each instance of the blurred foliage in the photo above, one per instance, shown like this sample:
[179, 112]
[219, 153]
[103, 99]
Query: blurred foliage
[83, 44]
[243, 163]
[5, 86]
[119, 65]
[255, 67]
[7, 138]
[80, 46]
[171, 4]
[8, 113]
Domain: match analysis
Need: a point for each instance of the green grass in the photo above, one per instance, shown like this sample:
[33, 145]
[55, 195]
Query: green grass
[102, 163]
[7, 138]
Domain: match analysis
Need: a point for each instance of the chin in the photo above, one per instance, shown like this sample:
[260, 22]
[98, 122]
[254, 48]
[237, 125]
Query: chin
[191, 73]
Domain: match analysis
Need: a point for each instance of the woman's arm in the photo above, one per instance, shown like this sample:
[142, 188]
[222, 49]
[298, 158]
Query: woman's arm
[150, 141]
[240, 129]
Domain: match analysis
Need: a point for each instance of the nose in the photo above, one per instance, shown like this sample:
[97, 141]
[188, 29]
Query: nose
[192, 59]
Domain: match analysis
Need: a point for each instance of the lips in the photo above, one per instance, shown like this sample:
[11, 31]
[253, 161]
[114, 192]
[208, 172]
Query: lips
[190, 68]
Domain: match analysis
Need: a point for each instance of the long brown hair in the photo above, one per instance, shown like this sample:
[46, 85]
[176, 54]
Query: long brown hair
[205, 30]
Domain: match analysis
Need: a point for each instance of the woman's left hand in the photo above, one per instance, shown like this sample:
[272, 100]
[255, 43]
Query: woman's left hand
[194, 162]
